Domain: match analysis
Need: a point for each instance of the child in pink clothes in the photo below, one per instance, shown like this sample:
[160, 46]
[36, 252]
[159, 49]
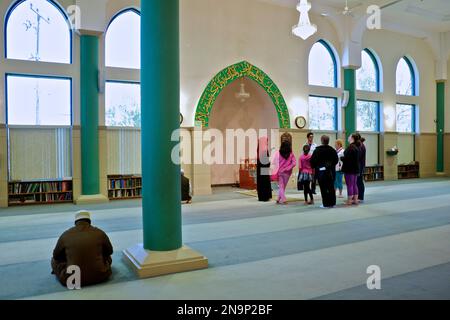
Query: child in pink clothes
[306, 175]
[285, 163]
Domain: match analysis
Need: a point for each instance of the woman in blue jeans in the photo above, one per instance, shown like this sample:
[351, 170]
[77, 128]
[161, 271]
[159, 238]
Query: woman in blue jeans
[351, 168]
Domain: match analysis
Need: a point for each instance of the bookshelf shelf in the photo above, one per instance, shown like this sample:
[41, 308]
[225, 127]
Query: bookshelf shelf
[124, 187]
[374, 173]
[40, 192]
[409, 171]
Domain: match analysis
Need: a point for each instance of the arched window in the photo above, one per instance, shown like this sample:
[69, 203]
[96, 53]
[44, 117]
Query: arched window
[406, 78]
[123, 41]
[368, 76]
[322, 65]
[38, 30]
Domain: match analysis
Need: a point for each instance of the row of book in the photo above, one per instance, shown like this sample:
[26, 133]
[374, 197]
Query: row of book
[123, 194]
[39, 187]
[115, 184]
[374, 173]
[40, 198]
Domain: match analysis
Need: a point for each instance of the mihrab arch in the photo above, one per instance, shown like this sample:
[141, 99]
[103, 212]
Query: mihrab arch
[232, 73]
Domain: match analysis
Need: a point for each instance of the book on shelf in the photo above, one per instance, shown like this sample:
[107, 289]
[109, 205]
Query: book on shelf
[124, 186]
[374, 173]
[40, 192]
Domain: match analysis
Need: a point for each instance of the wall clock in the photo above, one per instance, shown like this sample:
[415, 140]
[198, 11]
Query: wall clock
[181, 119]
[300, 122]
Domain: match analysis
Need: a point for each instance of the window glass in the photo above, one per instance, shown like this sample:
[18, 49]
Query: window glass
[123, 41]
[405, 78]
[322, 66]
[38, 101]
[322, 113]
[123, 104]
[405, 118]
[367, 116]
[367, 76]
[38, 31]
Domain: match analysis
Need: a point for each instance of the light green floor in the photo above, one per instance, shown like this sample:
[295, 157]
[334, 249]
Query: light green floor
[256, 251]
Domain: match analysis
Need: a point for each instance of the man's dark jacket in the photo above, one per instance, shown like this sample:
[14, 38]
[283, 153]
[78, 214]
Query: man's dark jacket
[185, 189]
[324, 157]
[86, 247]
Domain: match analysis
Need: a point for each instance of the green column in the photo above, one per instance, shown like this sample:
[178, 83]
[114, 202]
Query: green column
[440, 124]
[350, 110]
[160, 94]
[89, 115]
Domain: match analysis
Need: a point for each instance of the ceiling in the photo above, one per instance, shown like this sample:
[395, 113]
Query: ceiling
[419, 15]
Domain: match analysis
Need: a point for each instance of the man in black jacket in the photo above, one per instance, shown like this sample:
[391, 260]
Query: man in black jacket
[324, 161]
[185, 189]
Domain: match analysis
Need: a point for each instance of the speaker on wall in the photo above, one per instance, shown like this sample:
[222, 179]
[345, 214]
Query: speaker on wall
[345, 98]
[101, 82]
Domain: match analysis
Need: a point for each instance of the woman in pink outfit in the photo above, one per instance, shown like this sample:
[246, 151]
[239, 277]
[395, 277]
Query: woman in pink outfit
[284, 162]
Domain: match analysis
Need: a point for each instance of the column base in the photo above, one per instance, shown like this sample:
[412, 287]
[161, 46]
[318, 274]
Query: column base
[148, 264]
[91, 199]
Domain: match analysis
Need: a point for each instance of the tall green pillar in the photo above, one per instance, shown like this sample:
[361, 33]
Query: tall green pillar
[162, 251]
[89, 115]
[160, 94]
[440, 124]
[350, 110]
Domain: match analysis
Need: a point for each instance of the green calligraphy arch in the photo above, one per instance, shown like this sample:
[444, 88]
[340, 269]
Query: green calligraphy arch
[232, 73]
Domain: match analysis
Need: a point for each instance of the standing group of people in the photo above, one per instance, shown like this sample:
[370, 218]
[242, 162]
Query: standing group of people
[323, 164]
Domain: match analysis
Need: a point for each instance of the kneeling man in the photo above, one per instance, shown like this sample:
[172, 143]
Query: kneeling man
[86, 247]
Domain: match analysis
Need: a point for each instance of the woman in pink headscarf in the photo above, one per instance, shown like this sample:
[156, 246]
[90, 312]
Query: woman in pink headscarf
[263, 171]
[284, 162]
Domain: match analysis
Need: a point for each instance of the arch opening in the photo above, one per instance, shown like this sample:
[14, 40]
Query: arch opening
[229, 75]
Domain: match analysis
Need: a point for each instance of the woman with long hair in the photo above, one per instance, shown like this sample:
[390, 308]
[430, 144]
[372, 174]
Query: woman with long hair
[351, 169]
[284, 162]
[264, 187]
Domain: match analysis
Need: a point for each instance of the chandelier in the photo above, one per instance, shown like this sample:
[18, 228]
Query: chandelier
[304, 29]
[242, 94]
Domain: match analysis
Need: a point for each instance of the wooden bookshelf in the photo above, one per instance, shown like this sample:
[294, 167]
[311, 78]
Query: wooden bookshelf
[40, 192]
[374, 173]
[409, 171]
[122, 187]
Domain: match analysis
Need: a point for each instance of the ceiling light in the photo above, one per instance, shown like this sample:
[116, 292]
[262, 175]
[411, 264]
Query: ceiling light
[242, 94]
[304, 29]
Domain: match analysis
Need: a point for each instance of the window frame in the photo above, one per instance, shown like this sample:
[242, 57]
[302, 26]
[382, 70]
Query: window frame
[333, 58]
[114, 17]
[377, 71]
[23, 75]
[336, 108]
[5, 31]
